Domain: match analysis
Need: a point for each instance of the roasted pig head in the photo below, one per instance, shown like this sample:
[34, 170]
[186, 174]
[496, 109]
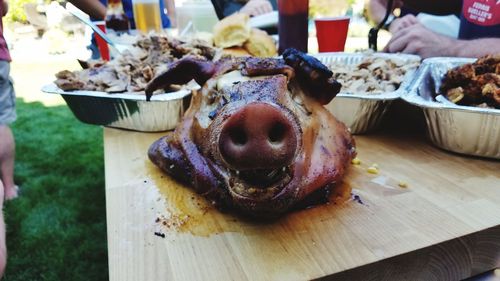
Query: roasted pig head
[256, 138]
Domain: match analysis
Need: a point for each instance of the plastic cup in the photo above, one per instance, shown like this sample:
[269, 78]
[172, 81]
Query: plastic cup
[331, 33]
[147, 15]
[101, 44]
[292, 25]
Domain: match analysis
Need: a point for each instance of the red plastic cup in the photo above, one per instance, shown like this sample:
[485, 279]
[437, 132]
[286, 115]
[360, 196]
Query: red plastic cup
[101, 44]
[331, 33]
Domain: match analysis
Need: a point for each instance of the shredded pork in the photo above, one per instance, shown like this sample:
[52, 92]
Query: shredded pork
[374, 75]
[131, 70]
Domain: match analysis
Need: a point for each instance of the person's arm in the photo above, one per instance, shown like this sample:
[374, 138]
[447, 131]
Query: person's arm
[93, 8]
[417, 39]
[5, 7]
[475, 48]
[170, 5]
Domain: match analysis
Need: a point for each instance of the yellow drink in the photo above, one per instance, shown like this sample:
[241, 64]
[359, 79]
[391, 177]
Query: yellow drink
[147, 15]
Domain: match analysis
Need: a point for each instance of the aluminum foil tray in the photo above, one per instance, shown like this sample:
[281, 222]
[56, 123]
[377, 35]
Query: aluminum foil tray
[126, 111]
[462, 129]
[363, 112]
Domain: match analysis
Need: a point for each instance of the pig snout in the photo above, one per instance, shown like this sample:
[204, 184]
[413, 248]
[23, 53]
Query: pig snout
[259, 136]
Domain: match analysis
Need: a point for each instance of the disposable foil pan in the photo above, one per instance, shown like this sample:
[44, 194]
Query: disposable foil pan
[363, 112]
[126, 111]
[462, 129]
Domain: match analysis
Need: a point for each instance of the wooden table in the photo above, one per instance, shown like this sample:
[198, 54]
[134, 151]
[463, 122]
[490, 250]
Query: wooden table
[445, 225]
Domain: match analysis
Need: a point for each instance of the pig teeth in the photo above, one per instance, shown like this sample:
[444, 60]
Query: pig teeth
[237, 173]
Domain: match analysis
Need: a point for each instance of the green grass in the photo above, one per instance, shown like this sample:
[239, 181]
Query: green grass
[56, 229]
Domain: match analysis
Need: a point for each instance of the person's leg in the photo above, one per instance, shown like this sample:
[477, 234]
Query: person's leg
[7, 116]
[7, 154]
[3, 246]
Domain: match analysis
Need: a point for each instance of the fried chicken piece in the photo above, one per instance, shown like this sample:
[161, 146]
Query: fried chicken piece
[475, 83]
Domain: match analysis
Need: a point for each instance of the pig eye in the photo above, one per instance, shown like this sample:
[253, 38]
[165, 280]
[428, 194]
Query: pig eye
[277, 133]
[238, 136]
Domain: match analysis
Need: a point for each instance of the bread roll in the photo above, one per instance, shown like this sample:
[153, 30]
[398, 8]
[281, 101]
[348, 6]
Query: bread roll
[232, 31]
[236, 52]
[260, 44]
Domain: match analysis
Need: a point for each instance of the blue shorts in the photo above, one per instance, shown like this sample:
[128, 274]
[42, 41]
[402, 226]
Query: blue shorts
[7, 95]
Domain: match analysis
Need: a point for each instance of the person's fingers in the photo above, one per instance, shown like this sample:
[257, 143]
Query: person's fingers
[402, 23]
[258, 11]
[410, 47]
[398, 42]
[257, 7]
[398, 45]
[267, 8]
[408, 21]
[395, 26]
[394, 37]
[411, 19]
[249, 8]
[264, 8]
[406, 24]
[251, 11]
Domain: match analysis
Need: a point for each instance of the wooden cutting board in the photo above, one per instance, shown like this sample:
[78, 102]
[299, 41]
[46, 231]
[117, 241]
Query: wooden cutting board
[444, 225]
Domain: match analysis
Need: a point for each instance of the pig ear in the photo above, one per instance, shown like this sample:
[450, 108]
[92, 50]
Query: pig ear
[313, 75]
[181, 72]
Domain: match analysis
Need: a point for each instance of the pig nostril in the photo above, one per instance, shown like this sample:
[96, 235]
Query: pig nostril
[277, 133]
[257, 136]
[238, 136]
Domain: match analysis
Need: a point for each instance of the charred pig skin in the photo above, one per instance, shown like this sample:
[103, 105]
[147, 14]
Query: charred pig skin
[256, 137]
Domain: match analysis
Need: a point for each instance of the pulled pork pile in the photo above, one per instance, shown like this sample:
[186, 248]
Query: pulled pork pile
[374, 75]
[131, 70]
[475, 84]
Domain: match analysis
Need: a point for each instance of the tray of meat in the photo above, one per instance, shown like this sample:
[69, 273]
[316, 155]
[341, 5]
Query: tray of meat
[112, 93]
[370, 82]
[126, 110]
[460, 98]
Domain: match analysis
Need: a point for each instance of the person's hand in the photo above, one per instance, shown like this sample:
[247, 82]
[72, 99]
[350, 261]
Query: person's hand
[257, 7]
[403, 22]
[416, 39]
